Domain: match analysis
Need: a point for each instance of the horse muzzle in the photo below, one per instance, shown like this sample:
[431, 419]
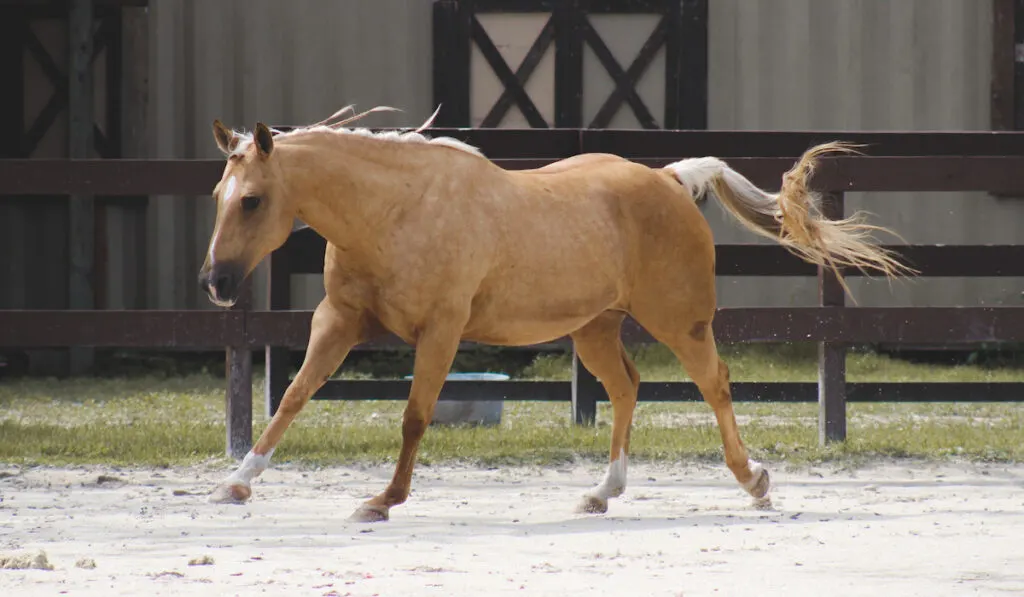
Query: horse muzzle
[222, 283]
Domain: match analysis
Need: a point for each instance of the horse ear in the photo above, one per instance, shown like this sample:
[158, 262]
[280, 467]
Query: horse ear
[264, 139]
[226, 138]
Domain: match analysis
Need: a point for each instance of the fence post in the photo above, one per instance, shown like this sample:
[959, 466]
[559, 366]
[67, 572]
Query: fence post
[277, 360]
[238, 399]
[831, 355]
[585, 388]
[81, 209]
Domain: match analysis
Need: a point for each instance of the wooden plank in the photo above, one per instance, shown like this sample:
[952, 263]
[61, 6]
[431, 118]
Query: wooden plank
[1018, 65]
[623, 84]
[564, 142]
[61, 4]
[451, 35]
[238, 394]
[884, 174]
[12, 70]
[127, 329]
[133, 120]
[655, 143]
[625, 81]
[586, 391]
[523, 72]
[277, 359]
[593, 6]
[198, 177]
[853, 325]
[831, 355]
[1003, 50]
[238, 403]
[307, 250]
[930, 260]
[790, 144]
[508, 79]
[80, 145]
[568, 69]
[156, 328]
[691, 60]
[681, 391]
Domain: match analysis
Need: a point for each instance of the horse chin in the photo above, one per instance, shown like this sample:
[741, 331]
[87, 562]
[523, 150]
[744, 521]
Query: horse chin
[227, 304]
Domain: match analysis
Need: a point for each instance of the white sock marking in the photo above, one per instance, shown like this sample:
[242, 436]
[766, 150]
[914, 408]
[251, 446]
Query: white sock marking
[614, 482]
[252, 465]
[756, 469]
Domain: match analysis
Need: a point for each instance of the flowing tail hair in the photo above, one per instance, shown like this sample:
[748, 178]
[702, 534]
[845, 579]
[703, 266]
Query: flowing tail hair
[793, 217]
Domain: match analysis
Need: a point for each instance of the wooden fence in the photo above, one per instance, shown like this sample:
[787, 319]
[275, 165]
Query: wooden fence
[898, 161]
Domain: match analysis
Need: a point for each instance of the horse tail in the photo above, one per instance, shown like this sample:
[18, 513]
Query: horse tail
[792, 217]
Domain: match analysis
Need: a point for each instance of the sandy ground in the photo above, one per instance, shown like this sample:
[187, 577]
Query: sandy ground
[888, 529]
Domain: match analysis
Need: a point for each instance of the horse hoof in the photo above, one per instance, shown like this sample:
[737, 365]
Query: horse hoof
[763, 503]
[369, 513]
[759, 482]
[592, 505]
[231, 494]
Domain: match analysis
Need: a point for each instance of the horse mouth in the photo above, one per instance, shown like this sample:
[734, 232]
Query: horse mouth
[226, 303]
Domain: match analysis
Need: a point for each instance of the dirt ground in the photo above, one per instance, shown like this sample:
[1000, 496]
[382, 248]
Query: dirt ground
[886, 529]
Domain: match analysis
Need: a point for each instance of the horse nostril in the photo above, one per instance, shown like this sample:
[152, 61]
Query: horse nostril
[223, 285]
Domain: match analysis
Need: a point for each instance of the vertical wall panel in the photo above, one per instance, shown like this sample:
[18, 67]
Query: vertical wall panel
[787, 64]
[864, 65]
[281, 63]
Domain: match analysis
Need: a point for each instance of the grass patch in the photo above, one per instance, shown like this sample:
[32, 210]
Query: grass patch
[179, 420]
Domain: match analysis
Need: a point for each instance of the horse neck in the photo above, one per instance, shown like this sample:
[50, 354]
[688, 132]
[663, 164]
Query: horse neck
[350, 187]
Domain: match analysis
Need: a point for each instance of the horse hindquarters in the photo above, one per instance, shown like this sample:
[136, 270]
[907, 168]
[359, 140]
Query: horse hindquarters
[674, 299]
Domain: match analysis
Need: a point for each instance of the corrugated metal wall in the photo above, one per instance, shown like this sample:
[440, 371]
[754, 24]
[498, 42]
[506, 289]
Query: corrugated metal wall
[816, 64]
[865, 65]
[786, 64]
[279, 62]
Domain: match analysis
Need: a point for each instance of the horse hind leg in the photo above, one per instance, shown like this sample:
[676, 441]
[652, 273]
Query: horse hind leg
[696, 350]
[699, 356]
[600, 349]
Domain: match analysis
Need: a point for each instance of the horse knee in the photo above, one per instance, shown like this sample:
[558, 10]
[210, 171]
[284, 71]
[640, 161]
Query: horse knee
[414, 425]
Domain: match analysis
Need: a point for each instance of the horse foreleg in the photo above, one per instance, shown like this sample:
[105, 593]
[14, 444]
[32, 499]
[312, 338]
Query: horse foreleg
[332, 334]
[435, 352]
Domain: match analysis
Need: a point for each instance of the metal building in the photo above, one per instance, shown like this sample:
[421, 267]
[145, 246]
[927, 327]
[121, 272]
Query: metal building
[166, 71]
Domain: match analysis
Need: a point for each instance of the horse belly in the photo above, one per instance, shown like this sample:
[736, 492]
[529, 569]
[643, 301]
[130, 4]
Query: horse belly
[509, 318]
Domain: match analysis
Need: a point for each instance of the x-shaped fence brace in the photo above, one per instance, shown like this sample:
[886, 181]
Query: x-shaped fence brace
[103, 33]
[514, 83]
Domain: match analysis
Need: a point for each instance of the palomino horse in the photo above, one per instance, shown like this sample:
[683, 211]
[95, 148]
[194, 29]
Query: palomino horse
[430, 240]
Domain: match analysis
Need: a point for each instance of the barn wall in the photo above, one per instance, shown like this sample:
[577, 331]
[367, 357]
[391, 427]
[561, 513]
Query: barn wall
[913, 64]
[279, 62]
[815, 64]
[865, 65]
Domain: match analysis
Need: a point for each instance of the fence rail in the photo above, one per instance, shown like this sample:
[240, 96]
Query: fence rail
[898, 161]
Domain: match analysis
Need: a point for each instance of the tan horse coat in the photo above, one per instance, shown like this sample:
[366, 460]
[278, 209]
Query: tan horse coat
[433, 242]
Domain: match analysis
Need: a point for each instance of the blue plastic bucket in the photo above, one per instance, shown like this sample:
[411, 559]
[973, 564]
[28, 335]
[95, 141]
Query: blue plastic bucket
[475, 412]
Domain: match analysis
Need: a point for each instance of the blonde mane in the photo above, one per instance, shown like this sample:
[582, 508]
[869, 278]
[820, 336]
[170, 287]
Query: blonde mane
[332, 124]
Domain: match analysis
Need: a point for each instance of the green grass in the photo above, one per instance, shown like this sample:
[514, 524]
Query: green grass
[146, 420]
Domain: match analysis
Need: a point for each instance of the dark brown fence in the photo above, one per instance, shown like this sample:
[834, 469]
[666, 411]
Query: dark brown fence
[898, 162]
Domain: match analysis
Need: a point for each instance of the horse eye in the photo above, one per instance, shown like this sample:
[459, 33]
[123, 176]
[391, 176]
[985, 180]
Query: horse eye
[250, 203]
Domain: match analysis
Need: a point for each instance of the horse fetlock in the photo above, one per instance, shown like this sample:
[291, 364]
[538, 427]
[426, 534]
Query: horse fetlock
[231, 493]
[237, 489]
[759, 483]
[592, 504]
[370, 513]
[613, 491]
